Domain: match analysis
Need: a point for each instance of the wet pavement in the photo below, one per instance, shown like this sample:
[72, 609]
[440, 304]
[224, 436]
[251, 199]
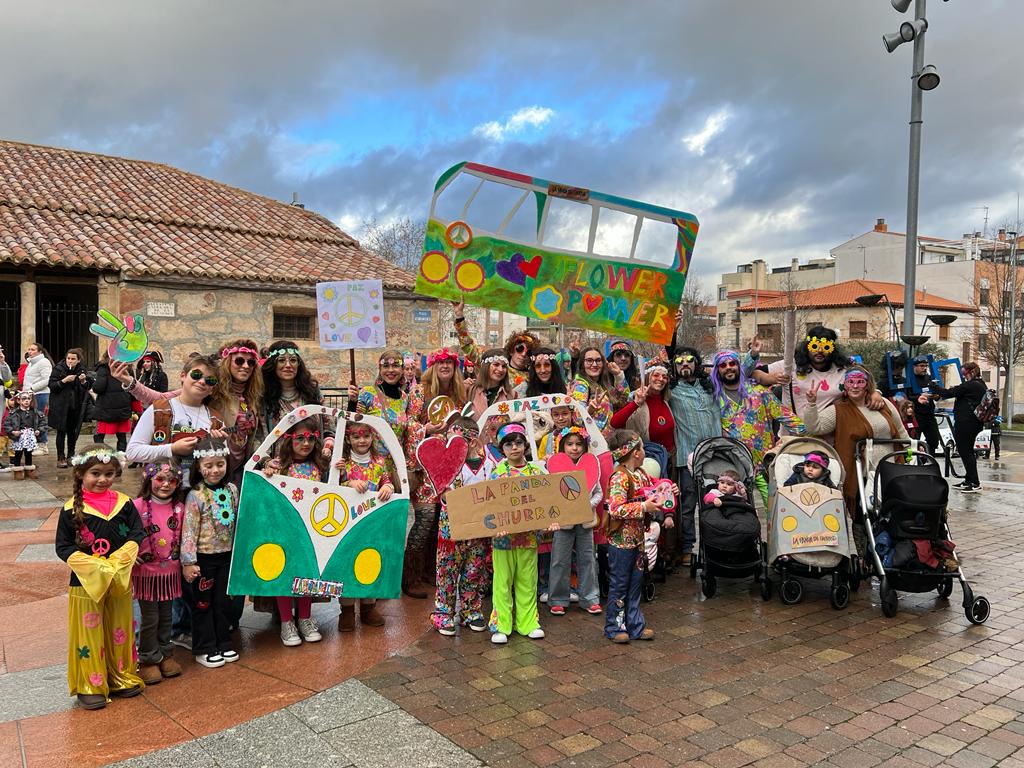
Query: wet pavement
[731, 681]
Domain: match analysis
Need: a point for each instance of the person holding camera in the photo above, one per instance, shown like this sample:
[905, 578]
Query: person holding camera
[924, 405]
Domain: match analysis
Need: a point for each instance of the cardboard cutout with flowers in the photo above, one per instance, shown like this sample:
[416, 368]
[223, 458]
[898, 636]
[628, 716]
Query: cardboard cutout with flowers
[306, 537]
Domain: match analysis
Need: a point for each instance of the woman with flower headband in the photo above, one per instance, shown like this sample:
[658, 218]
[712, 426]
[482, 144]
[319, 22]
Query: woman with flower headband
[545, 375]
[492, 383]
[156, 578]
[239, 400]
[600, 386]
[98, 536]
[207, 539]
[287, 384]
[441, 379]
[386, 397]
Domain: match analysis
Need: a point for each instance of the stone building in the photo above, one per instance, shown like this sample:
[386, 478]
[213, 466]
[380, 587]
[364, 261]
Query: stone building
[202, 261]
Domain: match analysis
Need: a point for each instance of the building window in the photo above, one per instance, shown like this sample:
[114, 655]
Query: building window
[983, 296]
[771, 336]
[965, 353]
[493, 317]
[858, 329]
[982, 343]
[943, 333]
[492, 338]
[293, 324]
[721, 319]
[986, 375]
[723, 293]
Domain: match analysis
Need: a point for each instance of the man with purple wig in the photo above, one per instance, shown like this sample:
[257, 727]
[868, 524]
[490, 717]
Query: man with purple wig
[748, 410]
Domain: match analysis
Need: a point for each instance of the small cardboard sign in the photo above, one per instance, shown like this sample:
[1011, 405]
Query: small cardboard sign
[350, 314]
[817, 539]
[518, 504]
[127, 340]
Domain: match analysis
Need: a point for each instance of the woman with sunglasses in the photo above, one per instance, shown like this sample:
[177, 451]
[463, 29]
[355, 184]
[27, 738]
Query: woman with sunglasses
[239, 399]
[599, 387]
[387, 396]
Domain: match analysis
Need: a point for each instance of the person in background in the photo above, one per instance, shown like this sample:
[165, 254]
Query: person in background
[6, 381]
[24, 426]
[924, 405]
[69, 386]
[150, 371]
[966, 397]
[113, 406]
[37, 381]
[621, 353]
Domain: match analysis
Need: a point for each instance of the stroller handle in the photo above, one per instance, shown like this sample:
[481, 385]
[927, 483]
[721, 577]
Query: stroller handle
[858, 450]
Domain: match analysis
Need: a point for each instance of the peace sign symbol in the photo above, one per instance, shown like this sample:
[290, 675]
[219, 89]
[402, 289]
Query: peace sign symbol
[354, 310]
[439, 408]
[459, 235]
[100, 547]
[329, 515]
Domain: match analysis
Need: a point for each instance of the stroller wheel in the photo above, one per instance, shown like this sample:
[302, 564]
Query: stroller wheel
[766, 589]
[791, 592]
[649, 591]
[945, 588]
[839, 596]
[709, 585]
[979, 611]
[889, 598]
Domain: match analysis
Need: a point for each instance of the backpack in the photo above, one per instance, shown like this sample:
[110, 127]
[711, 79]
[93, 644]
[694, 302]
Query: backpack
[988, 408]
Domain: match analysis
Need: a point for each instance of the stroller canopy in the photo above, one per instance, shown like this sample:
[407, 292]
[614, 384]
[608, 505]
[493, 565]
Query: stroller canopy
[717, 454]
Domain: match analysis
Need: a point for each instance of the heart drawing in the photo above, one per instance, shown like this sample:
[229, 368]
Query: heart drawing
[591, 302]
[511, 270]
[364, 333]
[442, 461]
[529, 267]
[588, 464]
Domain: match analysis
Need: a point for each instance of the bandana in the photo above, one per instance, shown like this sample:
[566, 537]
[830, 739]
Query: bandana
[816, 458]
[855, 374]
[440, 356]
[620, 453]
[153, 469]
[274, 353]
[509, 430]
[244, 351]
[815, 345]
[619, 346]
[102, 455]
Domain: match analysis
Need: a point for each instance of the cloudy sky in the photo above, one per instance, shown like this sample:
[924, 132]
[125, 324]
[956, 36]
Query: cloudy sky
[781, 124]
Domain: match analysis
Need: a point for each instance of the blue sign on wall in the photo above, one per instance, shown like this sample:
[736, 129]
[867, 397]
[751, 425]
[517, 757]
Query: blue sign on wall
[421, 315]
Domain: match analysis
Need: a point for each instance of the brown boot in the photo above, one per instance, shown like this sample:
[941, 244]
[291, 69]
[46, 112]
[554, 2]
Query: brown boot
[169, 667]
[347, 619]
[31, 473]
[370, 616]
[410, 569]
[150, 674]
[19, 474]
[91, 701]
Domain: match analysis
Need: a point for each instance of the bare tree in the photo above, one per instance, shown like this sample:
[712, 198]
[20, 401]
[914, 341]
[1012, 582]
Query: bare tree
[400, 242]
[999, 288]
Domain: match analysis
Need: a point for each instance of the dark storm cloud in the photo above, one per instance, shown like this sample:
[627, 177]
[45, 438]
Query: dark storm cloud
[812, 149]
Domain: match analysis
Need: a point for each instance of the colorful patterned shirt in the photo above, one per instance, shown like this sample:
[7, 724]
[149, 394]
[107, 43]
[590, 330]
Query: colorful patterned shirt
[375, 473]
[527, 539]
[466, 477]
[305, 470]
[604, 401]
[750, 420]
[209, 521]
[625, 501]
[395, 411]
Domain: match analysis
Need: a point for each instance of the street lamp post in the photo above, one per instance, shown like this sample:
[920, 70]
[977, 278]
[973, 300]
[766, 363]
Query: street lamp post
[923, 78]
[1014, 298]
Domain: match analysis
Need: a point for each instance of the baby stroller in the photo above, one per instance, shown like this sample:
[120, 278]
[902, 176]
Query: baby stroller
[730, 535]
[808, 530]
[905, 507]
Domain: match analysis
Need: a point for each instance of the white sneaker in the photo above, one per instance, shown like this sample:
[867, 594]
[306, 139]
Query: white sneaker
[229, 655]
[536, 634]
[543, 597]
[499, 638]
[210, 660]
[574, 597]
[310, 631]
[446, 631]
[290, 634]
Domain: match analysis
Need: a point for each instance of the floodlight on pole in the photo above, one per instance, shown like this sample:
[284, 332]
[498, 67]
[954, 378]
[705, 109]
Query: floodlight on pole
[928, 78]
[901, 5]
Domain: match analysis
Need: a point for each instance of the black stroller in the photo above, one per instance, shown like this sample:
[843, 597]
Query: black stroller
[730, 535]
[905, 504]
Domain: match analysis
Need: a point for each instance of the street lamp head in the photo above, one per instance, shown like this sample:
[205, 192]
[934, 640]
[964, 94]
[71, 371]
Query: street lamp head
[928, 78]
[901, 5]
[942, 319]
[914, 341]
[892, 41]
[870, 300]
[909, 30]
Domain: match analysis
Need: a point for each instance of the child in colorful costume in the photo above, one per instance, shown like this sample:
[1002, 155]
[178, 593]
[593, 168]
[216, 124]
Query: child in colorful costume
[98, 535]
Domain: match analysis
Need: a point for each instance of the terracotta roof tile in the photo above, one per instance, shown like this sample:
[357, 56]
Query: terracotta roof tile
[59, 207]
[845, 294]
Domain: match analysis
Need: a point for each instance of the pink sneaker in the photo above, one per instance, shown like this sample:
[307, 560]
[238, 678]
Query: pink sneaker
[595, 608]
[558, 610]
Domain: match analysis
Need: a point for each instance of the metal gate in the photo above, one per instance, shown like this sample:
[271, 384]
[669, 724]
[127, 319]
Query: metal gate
[10, 323]
[62, 325]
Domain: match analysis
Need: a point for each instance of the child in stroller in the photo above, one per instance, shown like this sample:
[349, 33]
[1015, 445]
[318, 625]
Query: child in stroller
[813, 469]
[729, 484]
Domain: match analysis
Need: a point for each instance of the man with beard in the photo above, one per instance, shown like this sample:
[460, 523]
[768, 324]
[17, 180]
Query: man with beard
[818, 361]
[696, 418]
[748, 412]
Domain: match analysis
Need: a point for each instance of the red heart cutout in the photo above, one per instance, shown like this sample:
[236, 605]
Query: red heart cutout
[591, 302]
[560, 462]
[530, 267]
[442, 461]
[824, 385]
[205, 585]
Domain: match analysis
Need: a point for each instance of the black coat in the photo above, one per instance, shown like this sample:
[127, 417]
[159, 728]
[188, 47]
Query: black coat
[113, 404]
[967, 396]
[66, 400]
[155, 380]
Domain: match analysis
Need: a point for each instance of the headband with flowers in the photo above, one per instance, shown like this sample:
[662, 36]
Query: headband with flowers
[153, 469]
[542, 357]
[272, 353]
[620, 453]
[215, 449]
[102, 455]
[390, 360]
[574, 430]
[441, 356]
[657, 369]
[494, 359]
[240, 350]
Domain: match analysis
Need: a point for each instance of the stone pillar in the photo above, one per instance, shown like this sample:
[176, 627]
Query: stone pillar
[28, 316]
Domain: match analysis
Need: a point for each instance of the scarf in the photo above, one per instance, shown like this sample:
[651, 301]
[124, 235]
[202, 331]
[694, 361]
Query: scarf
[851, 427]
[391, 391]
[238, 388]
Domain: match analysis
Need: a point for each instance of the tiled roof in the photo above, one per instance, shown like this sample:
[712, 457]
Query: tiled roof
[64, 208]
[845, 295]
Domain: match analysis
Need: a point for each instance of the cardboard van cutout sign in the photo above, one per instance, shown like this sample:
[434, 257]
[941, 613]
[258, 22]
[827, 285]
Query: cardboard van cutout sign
[298, 536]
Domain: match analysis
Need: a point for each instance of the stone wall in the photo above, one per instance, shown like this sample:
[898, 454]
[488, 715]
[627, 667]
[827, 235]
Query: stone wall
[205, 318]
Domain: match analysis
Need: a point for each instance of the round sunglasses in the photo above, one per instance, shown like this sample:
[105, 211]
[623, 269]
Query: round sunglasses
[197, 375]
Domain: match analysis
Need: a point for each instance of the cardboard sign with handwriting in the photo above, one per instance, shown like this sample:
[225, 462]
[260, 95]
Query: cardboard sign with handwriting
[518, 504]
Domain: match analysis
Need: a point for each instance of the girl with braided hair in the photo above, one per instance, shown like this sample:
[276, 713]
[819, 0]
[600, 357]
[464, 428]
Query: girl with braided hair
[98, 535]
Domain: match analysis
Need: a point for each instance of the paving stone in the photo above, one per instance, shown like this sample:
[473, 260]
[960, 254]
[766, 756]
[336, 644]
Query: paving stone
[396, 740]
[343, 704]
[275, 739]
[187, 755]
[37, 553]
[34, 692]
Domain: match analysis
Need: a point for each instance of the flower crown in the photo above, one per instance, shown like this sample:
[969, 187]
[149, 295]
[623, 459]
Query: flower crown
[540, 358]
[273, 353]
[657, 369]
[494, 359]
[574, 430]
[152, 469]
[240, 350]
[209, 447]
[101, 455]
[440, 356]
